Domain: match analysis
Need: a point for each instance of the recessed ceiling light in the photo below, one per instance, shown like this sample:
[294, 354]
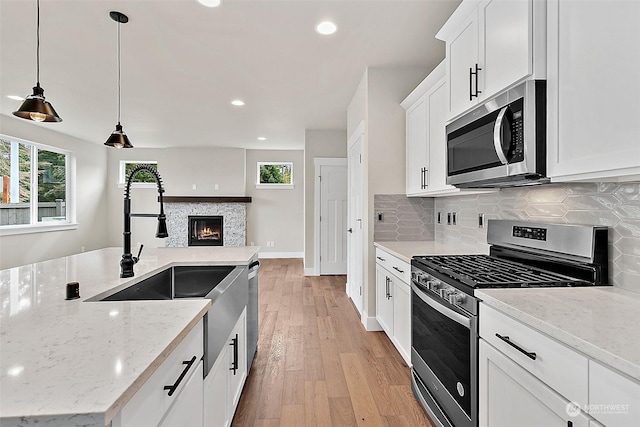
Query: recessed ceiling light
[237, 102]
[262, 138]
[15, 97]
[326, 28]
[210, 3]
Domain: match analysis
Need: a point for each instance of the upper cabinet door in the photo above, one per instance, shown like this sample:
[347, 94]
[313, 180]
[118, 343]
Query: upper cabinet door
[593, 90]
[506, 54]
[491, 46]
[462, 61]
[417, 147]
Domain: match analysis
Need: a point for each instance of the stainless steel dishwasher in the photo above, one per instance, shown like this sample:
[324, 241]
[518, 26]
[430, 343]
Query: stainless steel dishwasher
[252, 313]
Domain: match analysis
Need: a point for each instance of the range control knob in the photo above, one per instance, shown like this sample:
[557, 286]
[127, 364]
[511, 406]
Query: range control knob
[445, 292]
[434, 285]
[456, 298]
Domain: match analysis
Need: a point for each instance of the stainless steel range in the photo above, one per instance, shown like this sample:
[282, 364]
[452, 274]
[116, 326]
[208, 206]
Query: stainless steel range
[444, 311]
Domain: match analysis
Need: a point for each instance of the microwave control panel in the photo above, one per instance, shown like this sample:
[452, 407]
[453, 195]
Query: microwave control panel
[517, 132]
[532, 233]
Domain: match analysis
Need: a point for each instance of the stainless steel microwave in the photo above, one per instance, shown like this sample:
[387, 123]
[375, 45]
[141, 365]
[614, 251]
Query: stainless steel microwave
[501, 143]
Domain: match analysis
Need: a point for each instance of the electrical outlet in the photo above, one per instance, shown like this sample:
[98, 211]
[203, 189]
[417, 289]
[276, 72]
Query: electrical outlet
[194, 187]
[448, 218]
[273, 244]
[480, 220]
[81, 248]
[216, 187]
[251, 244]
[454, 218]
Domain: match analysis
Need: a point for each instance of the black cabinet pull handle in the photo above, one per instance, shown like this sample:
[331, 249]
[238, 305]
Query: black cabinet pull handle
[569, 423]
[506, 339]
[381, 259]
[397, 269]
[386, 287]
[172, 388]
[470, 84]
[234, 365]
[426, 178]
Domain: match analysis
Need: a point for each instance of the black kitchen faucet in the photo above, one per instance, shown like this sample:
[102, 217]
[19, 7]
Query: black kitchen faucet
[128, 261]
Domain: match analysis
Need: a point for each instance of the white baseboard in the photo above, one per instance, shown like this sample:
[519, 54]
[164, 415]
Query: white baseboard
[310, 272]
[370, 323]
[280, 254]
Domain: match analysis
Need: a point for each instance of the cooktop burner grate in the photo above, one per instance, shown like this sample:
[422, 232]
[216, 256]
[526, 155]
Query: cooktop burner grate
[484, 271]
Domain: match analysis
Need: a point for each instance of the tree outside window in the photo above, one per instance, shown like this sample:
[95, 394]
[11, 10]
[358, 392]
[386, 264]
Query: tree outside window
[34, 183]
[275, 173]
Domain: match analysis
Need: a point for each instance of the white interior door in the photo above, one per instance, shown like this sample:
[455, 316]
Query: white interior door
[333, 219]
[355, 260]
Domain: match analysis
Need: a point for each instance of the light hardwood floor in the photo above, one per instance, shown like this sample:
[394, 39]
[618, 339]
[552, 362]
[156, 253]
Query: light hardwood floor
[316, 365]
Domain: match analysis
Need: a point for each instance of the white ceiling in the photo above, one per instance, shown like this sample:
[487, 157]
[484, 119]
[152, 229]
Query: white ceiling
[182, 64]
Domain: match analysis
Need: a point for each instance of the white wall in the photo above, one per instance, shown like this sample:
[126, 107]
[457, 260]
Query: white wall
[317, 144]
[91, 199]
[276, 215]
[180, 169]
[377, 102]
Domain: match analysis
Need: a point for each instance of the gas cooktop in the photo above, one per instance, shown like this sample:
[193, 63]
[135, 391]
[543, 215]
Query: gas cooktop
[484, 271]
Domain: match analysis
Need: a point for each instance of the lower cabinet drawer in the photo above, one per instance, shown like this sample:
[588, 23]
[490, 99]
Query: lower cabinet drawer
[150, 403]
[560, 367]
[395, 265]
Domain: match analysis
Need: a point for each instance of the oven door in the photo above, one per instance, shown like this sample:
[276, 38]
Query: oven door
[444, 355]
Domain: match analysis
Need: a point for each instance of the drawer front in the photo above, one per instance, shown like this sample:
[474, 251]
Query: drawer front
[558, 366]
[614, 400]
[149, 404]
[395, 265]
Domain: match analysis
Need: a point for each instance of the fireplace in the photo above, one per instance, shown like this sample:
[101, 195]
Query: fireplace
[206, 231]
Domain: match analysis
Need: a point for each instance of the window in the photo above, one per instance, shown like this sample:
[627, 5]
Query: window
[142, 178]
[35, 186]
[275, 175]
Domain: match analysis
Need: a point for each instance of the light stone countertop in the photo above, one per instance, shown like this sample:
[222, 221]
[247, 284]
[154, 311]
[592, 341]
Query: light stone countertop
[405, 250]
[601, 322]
[67, 363]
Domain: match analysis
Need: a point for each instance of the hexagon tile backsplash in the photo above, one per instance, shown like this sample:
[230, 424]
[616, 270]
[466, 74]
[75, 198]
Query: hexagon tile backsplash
[616, 205]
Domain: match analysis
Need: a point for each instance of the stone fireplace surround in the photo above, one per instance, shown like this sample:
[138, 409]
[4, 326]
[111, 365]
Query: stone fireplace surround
[233, 209]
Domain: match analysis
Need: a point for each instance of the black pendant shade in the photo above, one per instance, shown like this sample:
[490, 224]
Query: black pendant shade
[35, 107]
[118, 139]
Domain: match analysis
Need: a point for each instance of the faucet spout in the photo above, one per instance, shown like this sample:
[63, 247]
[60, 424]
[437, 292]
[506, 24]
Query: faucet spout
[128, 260]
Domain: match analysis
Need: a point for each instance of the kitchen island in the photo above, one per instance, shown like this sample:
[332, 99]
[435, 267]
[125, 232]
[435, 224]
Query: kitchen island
[74, 362]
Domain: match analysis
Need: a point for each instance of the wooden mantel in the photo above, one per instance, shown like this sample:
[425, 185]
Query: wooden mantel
[206, 199]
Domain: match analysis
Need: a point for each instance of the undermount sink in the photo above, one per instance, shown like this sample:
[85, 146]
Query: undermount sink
[173, 283]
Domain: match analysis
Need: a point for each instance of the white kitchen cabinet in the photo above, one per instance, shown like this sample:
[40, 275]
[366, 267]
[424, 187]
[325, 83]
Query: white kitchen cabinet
[402, 318]
[511, 396]
[393, 300]
[181, 370]
[490, 46]
[523, 371]
[188, 409]
[426, 143]
[614, 399]
[223, 386]
[593, 90]
[417, 146]
[384, 301]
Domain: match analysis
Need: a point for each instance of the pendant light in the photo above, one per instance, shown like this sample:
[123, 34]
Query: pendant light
[35, 107]
[118, 138]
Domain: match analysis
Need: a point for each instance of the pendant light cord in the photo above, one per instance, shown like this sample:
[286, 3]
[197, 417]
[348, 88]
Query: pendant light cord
[38, 47]
[119, 72]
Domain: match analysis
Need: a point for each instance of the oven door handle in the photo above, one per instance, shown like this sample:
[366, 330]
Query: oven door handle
[440, 308]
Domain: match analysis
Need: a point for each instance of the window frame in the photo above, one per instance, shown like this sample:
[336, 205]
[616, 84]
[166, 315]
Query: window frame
[260, 185]
[122, 177]
[34, 226]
